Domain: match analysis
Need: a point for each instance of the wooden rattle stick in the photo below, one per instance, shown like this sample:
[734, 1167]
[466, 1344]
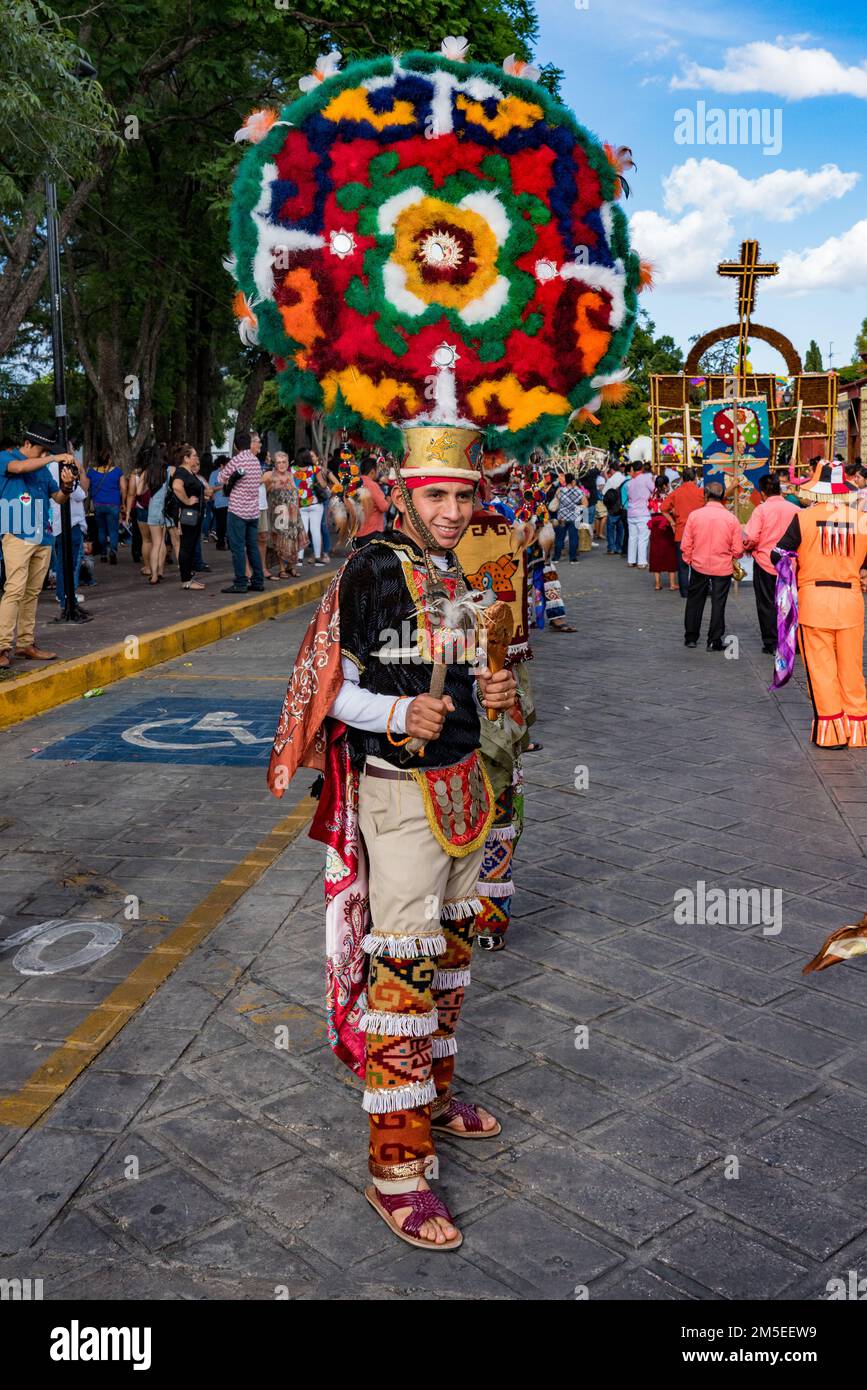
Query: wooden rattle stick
[499, 628]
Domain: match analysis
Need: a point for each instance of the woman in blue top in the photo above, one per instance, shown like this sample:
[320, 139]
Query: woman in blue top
[108, 494]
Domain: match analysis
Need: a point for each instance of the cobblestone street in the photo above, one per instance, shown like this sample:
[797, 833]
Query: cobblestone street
[708, 1142]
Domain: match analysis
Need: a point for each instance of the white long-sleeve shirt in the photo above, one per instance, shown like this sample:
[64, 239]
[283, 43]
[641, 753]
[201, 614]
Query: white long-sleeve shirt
[365, 710]
[362, 708]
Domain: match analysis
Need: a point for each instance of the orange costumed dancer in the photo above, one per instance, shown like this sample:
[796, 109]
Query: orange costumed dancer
[830, 538]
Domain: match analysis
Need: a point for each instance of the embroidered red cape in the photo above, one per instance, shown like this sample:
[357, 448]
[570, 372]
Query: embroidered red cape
[305, 737]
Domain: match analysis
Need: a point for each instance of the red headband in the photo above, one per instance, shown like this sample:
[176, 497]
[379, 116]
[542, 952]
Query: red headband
[428, 479]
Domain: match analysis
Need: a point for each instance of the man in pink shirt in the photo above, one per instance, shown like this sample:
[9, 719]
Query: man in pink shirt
[711, 542]
[375, 509]
[767, 524]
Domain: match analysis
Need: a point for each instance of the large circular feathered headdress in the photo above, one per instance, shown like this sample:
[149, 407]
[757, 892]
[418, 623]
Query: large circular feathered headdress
[423, 241]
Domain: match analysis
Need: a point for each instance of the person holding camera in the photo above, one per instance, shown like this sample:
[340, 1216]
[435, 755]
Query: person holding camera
[26, 490]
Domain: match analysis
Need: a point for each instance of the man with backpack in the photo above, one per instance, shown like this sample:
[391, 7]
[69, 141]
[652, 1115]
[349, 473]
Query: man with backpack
[615, 529]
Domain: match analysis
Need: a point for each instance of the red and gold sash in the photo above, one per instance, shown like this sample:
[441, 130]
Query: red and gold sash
[459, 804]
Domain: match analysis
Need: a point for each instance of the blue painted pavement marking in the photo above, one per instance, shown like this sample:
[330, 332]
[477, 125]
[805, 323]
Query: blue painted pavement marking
[213, 732]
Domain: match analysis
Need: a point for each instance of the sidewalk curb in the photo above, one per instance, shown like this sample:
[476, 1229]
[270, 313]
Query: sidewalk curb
[36, 692]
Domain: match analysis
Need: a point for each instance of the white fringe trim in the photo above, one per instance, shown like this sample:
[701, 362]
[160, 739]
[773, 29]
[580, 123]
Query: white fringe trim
[460, 907]
[502, 832]
[451, 979]
[400, 1025]
[403, 947]
[399, 1098]
[495, 890]
[445, 1047]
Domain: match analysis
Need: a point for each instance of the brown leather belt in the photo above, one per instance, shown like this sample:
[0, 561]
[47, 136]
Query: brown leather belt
[391, 774]
[830, 583]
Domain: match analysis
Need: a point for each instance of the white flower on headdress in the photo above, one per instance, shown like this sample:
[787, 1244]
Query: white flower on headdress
[327, 65]
[516, 67]
[256, 126]
[342, 243]
[546, 270]
[454, 48]
[446, 355]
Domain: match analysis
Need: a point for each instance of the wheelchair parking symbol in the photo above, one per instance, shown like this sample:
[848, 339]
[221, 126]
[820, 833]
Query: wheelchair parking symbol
[226, 727]
[176, 730]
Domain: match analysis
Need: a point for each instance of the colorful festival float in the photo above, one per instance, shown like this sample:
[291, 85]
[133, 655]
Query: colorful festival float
[742, 421]
[432, 251]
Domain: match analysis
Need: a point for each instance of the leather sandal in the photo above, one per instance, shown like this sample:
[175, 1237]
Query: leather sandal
[424, 1205]
[462, 1110]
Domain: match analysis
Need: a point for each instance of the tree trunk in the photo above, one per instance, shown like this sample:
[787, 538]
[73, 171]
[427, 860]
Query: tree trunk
[259, 374]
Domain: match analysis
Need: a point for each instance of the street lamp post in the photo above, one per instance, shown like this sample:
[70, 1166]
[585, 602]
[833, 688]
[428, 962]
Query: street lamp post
[71, 612]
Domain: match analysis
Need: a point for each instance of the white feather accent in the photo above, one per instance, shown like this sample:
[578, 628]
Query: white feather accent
[271, 238]
[488, 206]
[454, 48]
[409, 1097]
[248, 332]
[230, 263]
[394, 283]
[394, 206]
[444, 84]
[489, 304]
[600, 277]
[623, 374]
[400, 1025]
[445, 396]
[480, 89]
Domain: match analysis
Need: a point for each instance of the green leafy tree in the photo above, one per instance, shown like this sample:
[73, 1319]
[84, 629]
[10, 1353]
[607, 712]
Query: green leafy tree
[648, 356]
[149, 300]
[860, 342]
[50, 122]
[813, 359]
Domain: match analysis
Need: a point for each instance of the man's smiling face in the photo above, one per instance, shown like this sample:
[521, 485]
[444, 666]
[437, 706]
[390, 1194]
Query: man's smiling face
[444, 508]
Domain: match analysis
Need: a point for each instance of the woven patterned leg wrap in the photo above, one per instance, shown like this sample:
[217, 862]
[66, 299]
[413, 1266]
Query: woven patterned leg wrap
[450, 980]
[399, 1021]
[495, 886]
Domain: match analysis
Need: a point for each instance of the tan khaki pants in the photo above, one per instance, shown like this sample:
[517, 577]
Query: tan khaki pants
[412, 879]
[26, 567]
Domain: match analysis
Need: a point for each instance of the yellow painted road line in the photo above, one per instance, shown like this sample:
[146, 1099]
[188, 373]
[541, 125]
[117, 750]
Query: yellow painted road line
[22, 697]
[85, 1042]
[206, 676]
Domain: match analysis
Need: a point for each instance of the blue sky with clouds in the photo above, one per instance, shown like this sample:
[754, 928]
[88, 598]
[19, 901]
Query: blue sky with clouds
[630, 66]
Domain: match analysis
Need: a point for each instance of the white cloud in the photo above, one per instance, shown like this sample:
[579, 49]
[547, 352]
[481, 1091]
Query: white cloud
[782, 70]
[703, 197]
[683, 253]
[779, 196]
[840, 263]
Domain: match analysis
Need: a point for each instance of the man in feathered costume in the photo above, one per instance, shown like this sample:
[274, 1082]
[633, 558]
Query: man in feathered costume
[432, 251]
[403, 771]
